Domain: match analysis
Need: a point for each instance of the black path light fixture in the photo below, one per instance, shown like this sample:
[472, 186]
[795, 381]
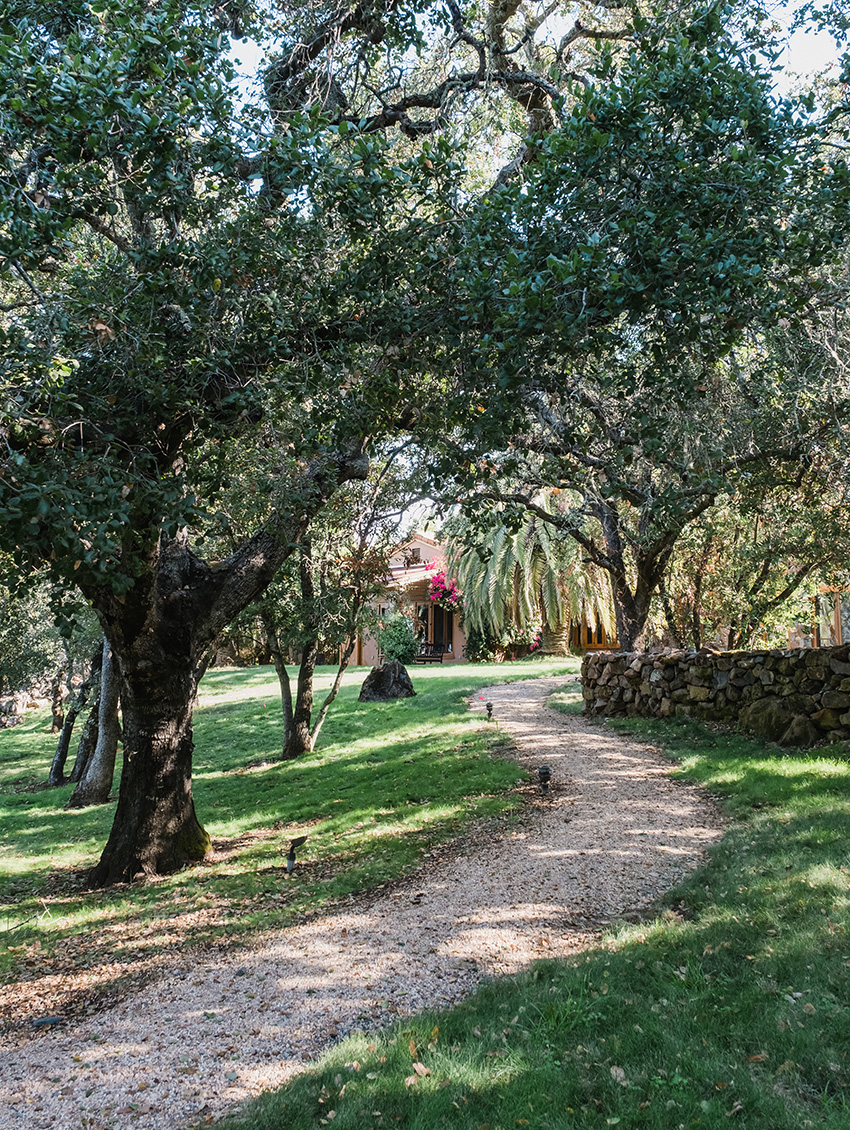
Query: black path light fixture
[290, 855]
[544, 775]
[489, 706]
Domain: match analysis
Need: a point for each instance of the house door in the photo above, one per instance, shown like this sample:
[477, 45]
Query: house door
[442, 630]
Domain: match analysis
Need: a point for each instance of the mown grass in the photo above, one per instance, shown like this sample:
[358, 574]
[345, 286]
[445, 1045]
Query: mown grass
[731, 1008]
[387, 782]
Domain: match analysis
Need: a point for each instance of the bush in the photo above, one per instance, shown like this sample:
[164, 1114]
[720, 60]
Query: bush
[398, 639]
[497, 646]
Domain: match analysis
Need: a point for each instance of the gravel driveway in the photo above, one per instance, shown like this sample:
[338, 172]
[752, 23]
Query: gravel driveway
[614, 834]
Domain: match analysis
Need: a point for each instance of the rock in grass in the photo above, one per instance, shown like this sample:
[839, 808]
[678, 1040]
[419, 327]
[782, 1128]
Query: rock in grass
[387, 682]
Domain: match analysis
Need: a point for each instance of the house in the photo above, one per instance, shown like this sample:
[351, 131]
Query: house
[411, 571]
[586, 636]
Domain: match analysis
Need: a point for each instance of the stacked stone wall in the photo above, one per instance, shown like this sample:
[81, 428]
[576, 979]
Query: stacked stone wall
[796, 698]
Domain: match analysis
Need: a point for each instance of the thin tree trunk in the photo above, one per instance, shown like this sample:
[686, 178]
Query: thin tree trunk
[276, 651]
[56, 689]
[334, 691]
[57, 768]
[88, 738]
[95, 784]
[669, 615]
[299, 739]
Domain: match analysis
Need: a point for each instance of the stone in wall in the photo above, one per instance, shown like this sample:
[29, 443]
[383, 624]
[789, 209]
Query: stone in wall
[795, 698]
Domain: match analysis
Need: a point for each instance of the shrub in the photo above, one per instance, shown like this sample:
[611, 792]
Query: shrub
[398, 639]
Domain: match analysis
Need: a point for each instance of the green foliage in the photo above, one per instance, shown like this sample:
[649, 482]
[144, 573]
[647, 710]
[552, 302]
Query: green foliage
[165, 289]
[633, 289]
[749, 568]
[397, 638]
[495, 645]
[729, 1006]
[519, 571]
[42, 631]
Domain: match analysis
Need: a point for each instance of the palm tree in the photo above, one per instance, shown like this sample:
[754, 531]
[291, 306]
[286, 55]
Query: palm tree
[512, 575]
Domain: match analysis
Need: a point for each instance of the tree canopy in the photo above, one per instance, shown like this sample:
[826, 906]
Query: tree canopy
[189, 268]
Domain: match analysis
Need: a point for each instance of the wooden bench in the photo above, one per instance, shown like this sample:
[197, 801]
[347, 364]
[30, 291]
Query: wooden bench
[429, 653]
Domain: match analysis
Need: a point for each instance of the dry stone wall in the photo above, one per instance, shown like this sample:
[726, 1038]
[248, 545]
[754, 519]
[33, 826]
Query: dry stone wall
[796, 698]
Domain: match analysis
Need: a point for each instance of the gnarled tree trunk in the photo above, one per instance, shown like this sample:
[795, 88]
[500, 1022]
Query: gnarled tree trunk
[161, 631]
[156, 829]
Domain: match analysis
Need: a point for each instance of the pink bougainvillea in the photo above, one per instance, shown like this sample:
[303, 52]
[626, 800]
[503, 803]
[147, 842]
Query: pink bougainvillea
[445, 593]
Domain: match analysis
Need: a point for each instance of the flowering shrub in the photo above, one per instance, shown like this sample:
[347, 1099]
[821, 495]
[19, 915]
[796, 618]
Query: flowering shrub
[445, 594]
[497, 646]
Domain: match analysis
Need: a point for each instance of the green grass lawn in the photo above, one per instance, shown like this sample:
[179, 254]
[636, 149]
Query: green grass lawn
[731, 1008]
[387, 782]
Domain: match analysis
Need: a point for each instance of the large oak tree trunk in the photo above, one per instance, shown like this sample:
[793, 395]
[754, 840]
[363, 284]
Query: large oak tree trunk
[155, 830]
[161, 630]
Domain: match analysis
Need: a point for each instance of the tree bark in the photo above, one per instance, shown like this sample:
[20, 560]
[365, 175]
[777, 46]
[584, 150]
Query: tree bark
[57, 768]
[56, 689]
[333, 692]
[88, 739]
[156, 830]
[276, 651]
[96, 782]
[299, 739]
[160, 630]
[555, 640]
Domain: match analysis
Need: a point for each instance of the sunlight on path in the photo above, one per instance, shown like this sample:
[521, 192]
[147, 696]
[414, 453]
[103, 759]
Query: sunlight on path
[615, 833]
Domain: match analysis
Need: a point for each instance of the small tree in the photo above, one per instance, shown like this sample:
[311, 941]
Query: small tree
[397, 638]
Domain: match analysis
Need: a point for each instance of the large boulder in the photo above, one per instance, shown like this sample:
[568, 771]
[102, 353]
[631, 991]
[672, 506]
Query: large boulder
[387, 682]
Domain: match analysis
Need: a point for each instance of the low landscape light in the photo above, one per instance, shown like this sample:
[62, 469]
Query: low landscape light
[489, 706]
[290, 855]
[544, 775]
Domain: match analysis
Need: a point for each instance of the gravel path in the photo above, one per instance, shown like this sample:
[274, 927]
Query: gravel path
[615, 833]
